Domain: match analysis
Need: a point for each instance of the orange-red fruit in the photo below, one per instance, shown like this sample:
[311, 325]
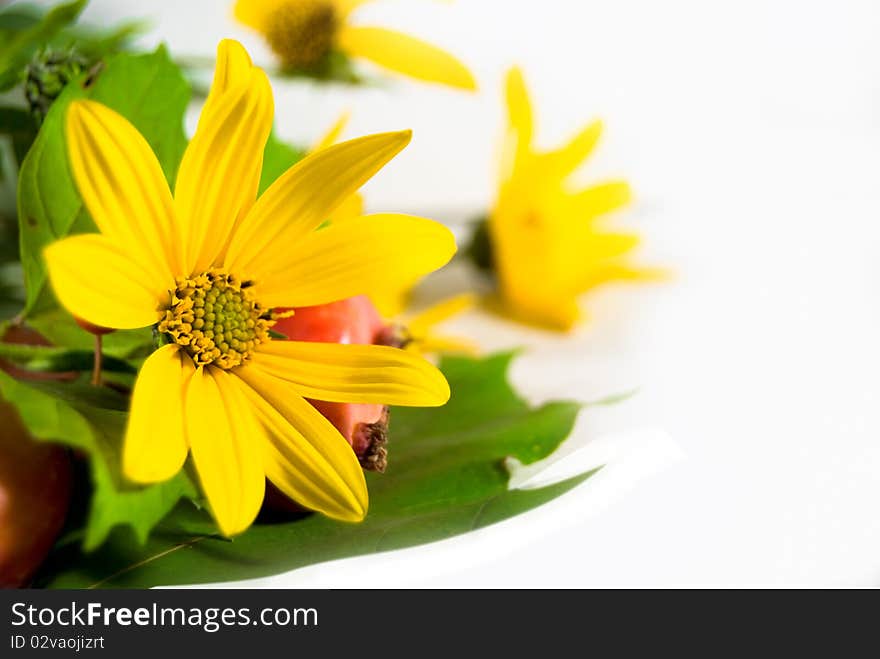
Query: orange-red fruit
[352, 321]
[35, 484]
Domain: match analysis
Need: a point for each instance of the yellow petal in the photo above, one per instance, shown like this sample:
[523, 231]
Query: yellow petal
[97, 281]
[304, 197]
[590, 253]
[255, 13]
[351, 208]
[558, 312]
[233, 68]
[122, 185]
[220, 171]
[598, 200]
[604, 246]
[436, 314]
[609, 272]
[560, 163]
[407, 55]
[304, 455]
[519, 109]
[155, 445]
[332, 135]
[347, 373]
[226, 441]
[445, 345]
[370, 253]
[392, 301]
[345, 7]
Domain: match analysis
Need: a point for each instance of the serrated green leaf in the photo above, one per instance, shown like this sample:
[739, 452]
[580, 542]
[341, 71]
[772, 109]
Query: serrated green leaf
[446, 476]
[92, 420]
[150, 91]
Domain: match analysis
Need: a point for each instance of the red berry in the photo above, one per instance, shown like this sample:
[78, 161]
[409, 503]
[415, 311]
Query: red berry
[352, 321]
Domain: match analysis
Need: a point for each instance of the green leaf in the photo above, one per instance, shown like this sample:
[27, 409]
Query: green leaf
[61, 329]
[92, 420]
[446, 476]
[95, 42]
[150, 91]
[19, 45]
[278, 157]
[19, 16]
[49, 359]
[59, 360]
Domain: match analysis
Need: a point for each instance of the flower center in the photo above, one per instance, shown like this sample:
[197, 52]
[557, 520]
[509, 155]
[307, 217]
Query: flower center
[301, 32]
[214, 317]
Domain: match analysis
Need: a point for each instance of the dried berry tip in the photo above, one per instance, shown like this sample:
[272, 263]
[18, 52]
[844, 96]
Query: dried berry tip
[375, 437]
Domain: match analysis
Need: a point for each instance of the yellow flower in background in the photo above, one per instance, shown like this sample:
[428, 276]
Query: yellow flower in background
[549, 243]
[417, 333]
[303, 33]
[207, 266]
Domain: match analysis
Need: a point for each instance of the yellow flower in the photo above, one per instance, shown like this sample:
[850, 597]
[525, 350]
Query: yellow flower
[548, 242]
[302, 33]
[207, 266]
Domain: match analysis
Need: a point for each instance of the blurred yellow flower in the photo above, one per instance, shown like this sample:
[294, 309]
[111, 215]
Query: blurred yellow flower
[548, 243]
[207, 266]
[417, 333]
[303, 33]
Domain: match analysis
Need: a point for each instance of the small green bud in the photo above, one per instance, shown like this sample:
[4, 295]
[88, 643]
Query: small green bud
[47, 75]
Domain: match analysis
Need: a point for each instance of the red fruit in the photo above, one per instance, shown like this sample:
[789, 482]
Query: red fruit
[35, 482]
[352, 321]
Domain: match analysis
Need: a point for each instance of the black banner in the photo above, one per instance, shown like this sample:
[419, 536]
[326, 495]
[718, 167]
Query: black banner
[548, 623]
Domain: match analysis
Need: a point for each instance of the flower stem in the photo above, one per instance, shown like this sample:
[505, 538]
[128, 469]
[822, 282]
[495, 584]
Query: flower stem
[99, 360]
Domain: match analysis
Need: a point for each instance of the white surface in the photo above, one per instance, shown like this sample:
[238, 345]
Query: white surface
[751, 131]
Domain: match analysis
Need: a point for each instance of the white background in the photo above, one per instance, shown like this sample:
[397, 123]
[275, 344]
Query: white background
[751, 133]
